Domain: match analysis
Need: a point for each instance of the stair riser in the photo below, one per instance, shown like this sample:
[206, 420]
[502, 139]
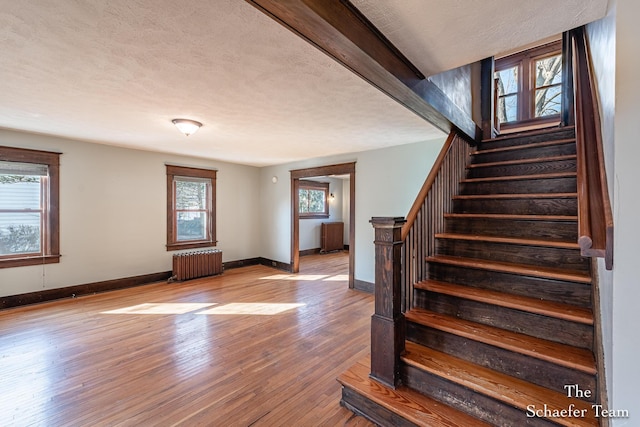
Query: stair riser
[369, 409]
[521, 186]
[530, 139]
[556, 166]
[562, 231]
[547, 206]
[549, 328]
[519, 254]
[546, 289]
[540, 372]
[465, 400]
[526, 153]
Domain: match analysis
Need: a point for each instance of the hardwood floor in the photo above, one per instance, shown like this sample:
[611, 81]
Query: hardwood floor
[253, 347]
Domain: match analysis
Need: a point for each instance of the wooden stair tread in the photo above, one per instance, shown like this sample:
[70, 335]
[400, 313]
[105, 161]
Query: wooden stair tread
[519, 177]
[512, 217]
[408, 403]
[522, 269]
[532, 305]
[516, 196]
[509, 240]
[533, 145]
[523, 161]
[527, 133]
[560, 354]
[513, 391]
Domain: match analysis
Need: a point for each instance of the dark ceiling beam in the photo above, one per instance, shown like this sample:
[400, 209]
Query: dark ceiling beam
[340, 30]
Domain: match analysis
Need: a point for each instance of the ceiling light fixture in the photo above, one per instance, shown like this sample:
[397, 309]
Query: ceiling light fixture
[186, 126]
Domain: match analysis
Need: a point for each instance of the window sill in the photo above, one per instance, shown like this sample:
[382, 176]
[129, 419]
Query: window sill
[314, 216]
[547, 120]
[190, 245]
[26, 261]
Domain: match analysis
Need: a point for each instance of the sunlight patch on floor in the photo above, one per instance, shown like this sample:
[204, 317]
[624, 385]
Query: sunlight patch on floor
[336, 278]
[161, 308]
[307, 277]
[295, 277]
[254, 308]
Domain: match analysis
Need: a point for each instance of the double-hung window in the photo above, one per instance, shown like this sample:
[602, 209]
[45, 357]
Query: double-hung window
[313, 199]
[190, 207]
[29, 213]
[529, 86]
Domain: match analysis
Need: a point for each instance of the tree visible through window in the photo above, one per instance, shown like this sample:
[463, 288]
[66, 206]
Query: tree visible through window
[28, 207]
[191, 216]
[548, 87]
[313, 199]
[529, 85]
[508, 89]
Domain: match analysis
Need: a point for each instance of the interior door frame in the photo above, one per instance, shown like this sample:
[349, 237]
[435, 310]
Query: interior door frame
[337, 169]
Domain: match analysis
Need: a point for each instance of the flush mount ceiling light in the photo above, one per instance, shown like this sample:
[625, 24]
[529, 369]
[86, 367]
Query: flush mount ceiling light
[187, 126]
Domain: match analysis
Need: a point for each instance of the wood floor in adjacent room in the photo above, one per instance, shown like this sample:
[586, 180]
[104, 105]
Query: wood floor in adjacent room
[253, 347]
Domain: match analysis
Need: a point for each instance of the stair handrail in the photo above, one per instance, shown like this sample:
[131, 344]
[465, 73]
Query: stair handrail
[595, 218]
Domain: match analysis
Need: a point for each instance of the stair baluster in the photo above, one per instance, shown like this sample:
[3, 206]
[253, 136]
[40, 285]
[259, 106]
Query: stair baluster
[426, 217]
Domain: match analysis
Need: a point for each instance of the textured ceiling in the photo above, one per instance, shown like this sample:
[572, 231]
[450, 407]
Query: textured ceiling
[440, 35]
[117, 71]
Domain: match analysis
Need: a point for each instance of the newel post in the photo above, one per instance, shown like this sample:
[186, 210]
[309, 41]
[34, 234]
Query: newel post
[387, 323]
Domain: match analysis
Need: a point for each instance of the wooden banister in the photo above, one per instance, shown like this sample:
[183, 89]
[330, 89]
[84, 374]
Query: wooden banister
[595, 219]
[426, 187]
[401, 249]
[426, 217]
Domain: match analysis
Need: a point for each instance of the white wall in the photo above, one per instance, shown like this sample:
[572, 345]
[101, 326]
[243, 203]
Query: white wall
[602, 41]
[310, 227]
[616, 61]
[387, 182]
[626, 285]
[113, 213]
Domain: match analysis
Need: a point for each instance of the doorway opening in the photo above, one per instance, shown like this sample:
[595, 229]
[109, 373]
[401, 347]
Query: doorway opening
[346, 170]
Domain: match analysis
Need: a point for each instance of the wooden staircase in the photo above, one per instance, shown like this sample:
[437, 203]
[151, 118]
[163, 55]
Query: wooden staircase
[503, 323]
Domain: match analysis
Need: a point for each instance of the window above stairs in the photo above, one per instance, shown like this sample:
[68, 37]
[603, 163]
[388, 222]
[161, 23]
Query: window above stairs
[529, 87]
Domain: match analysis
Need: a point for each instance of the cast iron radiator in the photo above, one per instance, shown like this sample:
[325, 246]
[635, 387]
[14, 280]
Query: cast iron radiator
[190, 265]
